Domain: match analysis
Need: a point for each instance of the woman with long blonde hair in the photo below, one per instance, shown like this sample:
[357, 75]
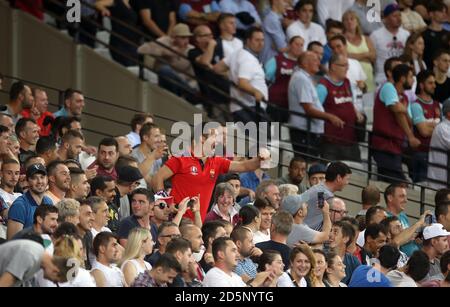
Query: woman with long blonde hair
[139, 245]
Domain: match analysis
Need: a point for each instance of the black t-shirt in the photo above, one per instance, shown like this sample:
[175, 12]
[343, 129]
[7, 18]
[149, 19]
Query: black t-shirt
[284, 250]
[126, 225]
[434, 41]
[442, 91]
[159, 9]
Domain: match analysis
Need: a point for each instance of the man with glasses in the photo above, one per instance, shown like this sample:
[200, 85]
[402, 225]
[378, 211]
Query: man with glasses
[166, 232]
[338, 210]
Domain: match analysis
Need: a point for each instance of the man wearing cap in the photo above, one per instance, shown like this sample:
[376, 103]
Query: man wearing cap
[435, 244]
[128, 178]
[173, 68]
[389, 40]
[22, 210]
[316, 174]
[440, 139]
[297, 206]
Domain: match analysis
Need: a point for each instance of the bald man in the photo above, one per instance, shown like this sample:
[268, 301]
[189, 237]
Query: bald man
[125, 148]
[338, 210]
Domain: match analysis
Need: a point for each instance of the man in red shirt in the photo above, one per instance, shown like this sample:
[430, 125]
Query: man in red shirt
[39, 112]
[192, 176]
[108, 153]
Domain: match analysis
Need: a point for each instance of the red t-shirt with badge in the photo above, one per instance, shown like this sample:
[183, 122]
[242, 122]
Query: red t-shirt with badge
[191, 179]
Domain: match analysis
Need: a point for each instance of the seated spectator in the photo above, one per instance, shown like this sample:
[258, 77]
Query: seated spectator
[297, 206]
[300, 266]
[163, 272]
[211, 231]
[370, 197]
[374, 215]
[411, 20]
[27, 132]
[245, 12]
[445, 267]
[68, 211]
[157, 18]
[304, 26]
[194, 235]
[84, 230]
[274, 37]
[20, 98]
[166, 232]
[414, 272]
[105, 187]
[10, 172]
[359, 46]
[58, 181]
[335, 271]
[223, 207]
[353, 248]
[73, 104]
[333, 28]
[79, 185]
[243, 238]
[279, 70]
[227, 41]
[172, 69]
[375, 237]
[108, 152]
[39, 112]
[46, 149]
[101, 215]
[6, 120]
[270, 261]
[296, 174]
[106, 250]
[435, 244]
[181, 249]
[127, 181]
[125, 148]
[440, 140]
[267, 211]
[441, 61]
[280, 229]
[139, 244]
[71, 145]
[138, 120]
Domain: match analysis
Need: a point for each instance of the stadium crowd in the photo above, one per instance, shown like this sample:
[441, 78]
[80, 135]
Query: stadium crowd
[129, 213]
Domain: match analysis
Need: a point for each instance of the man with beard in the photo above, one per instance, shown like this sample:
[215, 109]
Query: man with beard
[21, 213]
[58, 180]
[71, 145]
[20, 97]
[84, 229]
[73, 104]
[391, 124]
[108, 153]
[79, 187]
[105, 187]
[426, 113]
[243, 238]
[27, 132]
[297, 171]
[10, 177]
[45, 223]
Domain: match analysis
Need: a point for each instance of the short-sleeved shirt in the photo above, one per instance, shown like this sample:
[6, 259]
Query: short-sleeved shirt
[368, 276]
[410, 247]
[351, 263]
[301, 232]
[312, 33]
[144, 280]
[234, 7]
[284, 250]
[218, 278]
[314, 219]
[141, 158]
[191, 178]
[23, 208]
[159, 9]
[103, 172]
[126, 225]
[302, 90]
[274, 37]
[246, 266]
[202, 6]
[21, 258]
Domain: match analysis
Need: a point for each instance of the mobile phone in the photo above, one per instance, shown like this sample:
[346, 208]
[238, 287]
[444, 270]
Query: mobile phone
[190, 203]
[320, 199]
[429, 219]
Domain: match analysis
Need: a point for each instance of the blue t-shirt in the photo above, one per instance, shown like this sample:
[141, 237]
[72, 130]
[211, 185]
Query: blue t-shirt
[367, 276]
[351, 264]
[388, 94]
[61, 113]
[23, 208]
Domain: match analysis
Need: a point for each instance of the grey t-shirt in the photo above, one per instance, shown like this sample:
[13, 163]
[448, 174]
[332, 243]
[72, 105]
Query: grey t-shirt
[140, 157]
[21, 258]
[314, 219]
[301, 232]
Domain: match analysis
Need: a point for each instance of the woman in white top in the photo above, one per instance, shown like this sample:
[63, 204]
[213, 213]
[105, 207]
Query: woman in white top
[335, 271]
[300, 262]
[321, 266]
[139, 244]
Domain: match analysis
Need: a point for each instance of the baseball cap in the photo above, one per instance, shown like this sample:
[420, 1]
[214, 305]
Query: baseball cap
[390, 8]
[34, 169]
[181, 29]
[317, 169]
[168, 199]
[435, 230]
[446, 107]
[129, 174]
[293, 203]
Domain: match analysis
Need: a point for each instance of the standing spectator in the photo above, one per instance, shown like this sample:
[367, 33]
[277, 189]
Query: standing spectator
[157, 17]
[73, 104]
[106, 250]
[359, 46]
[304, 26]
[300, 266]
[341, 237]
[297, 206]
[441, 62]
[223, 207]
[227, 43]
[296, 174]
[21, 213]
[245, 12]
[139, 244]
[108, 152]
[440, 140]
[280, 229]
[101, 215]
[442, 212]
[391, 124]
[361, 8]
[85, 31]
[303, 98]
[389, 40]
[411, 20]
[274, 37]
[370, 197]
[326, 11]
[413, 53]
[27, 132]
[7, 121]
[39, 112]
[267, 211]
[138, 120]
[247, 74]
[335, 93]
[58, 180]
[316, 174]
[251, 181]
[164, 271]
[426, 114]
[201, 12]
[335, 270]
[243, 238]
[279, 70]
[435, 244]
[436, 37]
[336, 178]
[268, 190]
[20, 98]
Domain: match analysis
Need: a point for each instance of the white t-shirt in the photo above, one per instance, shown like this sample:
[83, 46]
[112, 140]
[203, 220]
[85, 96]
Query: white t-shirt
[286, 281]
[386, 48]
[82, 279]
[356, 73]
[218, 278]
[243, 64]
[95, 232]
[260, 236]
[231, 46]
[113, 275]
[8, 197]
[332, 9]
[313, 33]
